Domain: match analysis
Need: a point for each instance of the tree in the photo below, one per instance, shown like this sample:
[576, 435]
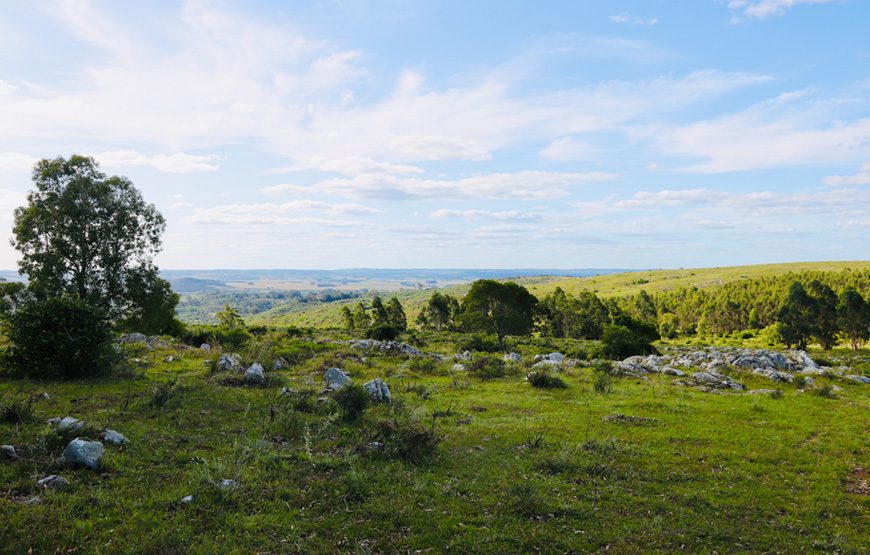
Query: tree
[396, 314]
[153, 306]
[620, 342]
[441, 311]
[229, 318]
[499, 308]
[379, 312]
[797, 314]
[347, 316]
[754, 321]
[826, 325]
[361, 320]
[853, 316]
[86, 235]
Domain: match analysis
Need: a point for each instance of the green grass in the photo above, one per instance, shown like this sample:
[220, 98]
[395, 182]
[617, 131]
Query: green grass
[327, 315]
[519, 469]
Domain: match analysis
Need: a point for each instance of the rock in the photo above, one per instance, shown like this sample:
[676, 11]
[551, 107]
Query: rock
[859, 379]
[458, 367]
[169, 359]
[8, 451]
[32, 500]
[555, 357]
[205, 347]
[393, 347]
[186, 499]
[336, 378]
[69, 424]
[466, 356]
[545, 363]
[83, 452]
[374, 446]
[255, 375]
[716, 381]
[113, 437]
[774, 375]
[513, 357]
[809, 382]
[227, 485]
[227, 363]
[133, 338]
[53, 482]
[378, 390]
[761, 392]
[280, 364]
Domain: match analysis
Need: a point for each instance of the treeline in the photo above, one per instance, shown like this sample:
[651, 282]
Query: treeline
[202, 308]
[376, 320]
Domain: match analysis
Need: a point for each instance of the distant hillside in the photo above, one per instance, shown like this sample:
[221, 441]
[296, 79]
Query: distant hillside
[652, 281]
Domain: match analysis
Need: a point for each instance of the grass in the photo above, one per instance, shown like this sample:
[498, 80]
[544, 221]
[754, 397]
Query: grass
[475, 465]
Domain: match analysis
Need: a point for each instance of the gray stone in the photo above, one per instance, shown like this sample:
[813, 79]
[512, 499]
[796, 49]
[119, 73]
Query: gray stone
[466, 356]
[855, 378]
[83, 452]
[69, 424]
[336, 378]
[227, 485]
[8, 451]
[205, 347]
[555, 357]
[546, 363]
[280, 364]
[761, 391]
[32, 500]
[458, 367]
[378, 390]
[133, 338]
[113, 437]
[187, 499]
[255, 375]
[513, 357]
[53, 482]
[227, 363]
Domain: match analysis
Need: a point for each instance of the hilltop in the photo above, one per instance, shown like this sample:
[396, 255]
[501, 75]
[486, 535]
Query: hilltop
[609, 285]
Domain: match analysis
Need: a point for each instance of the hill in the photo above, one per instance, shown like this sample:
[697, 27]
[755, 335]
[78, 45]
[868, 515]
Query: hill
[609, 285]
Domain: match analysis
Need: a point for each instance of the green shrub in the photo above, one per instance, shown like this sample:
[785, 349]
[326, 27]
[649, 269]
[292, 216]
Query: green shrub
[162, 393]
[621, 342]
[545, 380]
[286, 423]
[480, 343]
[60, 338]
[423, 365]
[826, 391]
[16, 410]
[487, 368]
[409, 441]
[383, 332]
[603, 382]
[353, 400]
[230, 338]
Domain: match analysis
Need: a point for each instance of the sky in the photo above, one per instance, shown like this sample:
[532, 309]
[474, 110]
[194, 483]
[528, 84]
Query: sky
[456, 134]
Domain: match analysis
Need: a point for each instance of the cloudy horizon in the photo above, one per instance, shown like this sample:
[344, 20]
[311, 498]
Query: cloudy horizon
[447, 135]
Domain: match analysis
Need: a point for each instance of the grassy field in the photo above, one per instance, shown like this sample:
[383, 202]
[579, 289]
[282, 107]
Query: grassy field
[518, 469]
[652, 281]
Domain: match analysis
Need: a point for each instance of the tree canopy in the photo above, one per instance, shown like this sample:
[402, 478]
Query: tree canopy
[500, 308]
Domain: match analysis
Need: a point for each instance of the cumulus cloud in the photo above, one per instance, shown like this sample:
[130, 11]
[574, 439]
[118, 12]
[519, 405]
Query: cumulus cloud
[633, 20]
[178, 162]
[485, 214]
[16, 161]
[860, 178]
[283, 213]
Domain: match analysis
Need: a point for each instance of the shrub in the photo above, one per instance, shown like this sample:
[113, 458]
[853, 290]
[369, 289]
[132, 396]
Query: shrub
[383, 332]
[16, 410]
[353, 400]
[409, 441]
[231, 338]
[286, 423]
[162, 393]
[524, 499]
[60, 338]
[423, 365]
[622, 342]
[826, 391]
[603, 382]
[545, 380]
[480, 343]
[487, 368]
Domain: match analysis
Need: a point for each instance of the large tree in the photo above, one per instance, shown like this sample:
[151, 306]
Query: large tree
[853, 313]
[499, 308]
[797, 314]
[88, 235]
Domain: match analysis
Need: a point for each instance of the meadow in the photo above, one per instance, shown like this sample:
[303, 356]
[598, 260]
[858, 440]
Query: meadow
[458, 462]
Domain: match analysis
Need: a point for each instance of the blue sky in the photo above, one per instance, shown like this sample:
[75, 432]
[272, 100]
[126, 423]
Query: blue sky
[357, 133]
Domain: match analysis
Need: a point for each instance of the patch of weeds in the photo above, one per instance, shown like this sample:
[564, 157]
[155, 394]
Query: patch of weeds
[353, 400]
[409, 440]
[17, 410]
[422, 365]
[777, 394]
[355, 486]
[422, 391]
[602, 382]
[545, 380]
[534, 441]
[800, 382]
[558, 463]
[162, 393]
[487, 368]
[286, 423]
[525, 499]
[631, 420]
[826, 391]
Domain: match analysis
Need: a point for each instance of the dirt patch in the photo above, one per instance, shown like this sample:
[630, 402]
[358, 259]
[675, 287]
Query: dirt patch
[858, 482]
[626, 419]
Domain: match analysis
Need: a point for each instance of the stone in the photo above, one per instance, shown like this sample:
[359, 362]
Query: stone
[113, 437]
[761, 391]
[255, 375]
[227, 485]
[205, 347]
[545, 363]
[466, 356]
[83, 452]
[227, 363]
[280, 364]
[378, 390]
[8, 451]
[374, 446]
[336, 378]
[859, 379]
[69, 424]
[555, 357]
[458, 367]
[32, 500]
[53, 482]
[169, 359]
[187, 499]
[513, 357]
[133, 338]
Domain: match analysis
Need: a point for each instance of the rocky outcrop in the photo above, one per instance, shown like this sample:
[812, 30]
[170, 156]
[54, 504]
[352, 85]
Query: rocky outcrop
[378, 390]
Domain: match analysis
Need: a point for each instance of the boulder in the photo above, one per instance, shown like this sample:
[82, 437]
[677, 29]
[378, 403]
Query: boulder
[513, 357]
[255, 375]
[227, 363]
[554, 357]
[133, 338]
[83, 452]
[113, 437]
[761, 391]
[205, 347]
[466, 356]
[859, 379]
[458, 367]
[336, 378]
[53, 482]
[69, 424]
[8, 451]
[378, 390]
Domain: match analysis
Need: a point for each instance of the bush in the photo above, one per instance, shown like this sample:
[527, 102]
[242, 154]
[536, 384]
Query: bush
[16, 410]
[383, 332]
[480, 343]
[409, 441]
[621, 342]
[60, 338]
[423, 365]
[487, 368]
[603, 382]
[545, 380]
[353, 400]
[231, 338]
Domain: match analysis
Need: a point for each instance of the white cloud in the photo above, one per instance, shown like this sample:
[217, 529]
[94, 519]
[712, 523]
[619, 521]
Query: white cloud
[350, 166]
[762, 9]
[278, 214]
[860, 178]
[178, 162]
[569, 148]
[633, 20]
[485, 214]
[285, 189]
[524, 185]
[16, 161]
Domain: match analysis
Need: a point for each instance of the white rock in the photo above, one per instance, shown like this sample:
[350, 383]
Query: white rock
[113, 437]
[378, 390]
[53, 482]
[255, 375]
[513, 357]
[205, 347]
[187, 499]
[83, 452]
[69, 424]
[336, 378]
[226, 484]
[8, 451]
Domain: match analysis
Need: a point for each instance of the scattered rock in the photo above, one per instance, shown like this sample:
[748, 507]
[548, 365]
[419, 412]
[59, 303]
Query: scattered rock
[859, 379]
[169, 359]
[513, 357]
[83, 452]
[375, 446]
[227, 363]
[378, 390]
[32, 500]
[761, 391]
[280, 364]
[546, 363]
[336, 378]
[53, 482]
[391, 347]
[186, 499]
[858, 482]
[227, 485]
[716, 381]
[458, 367]
[133, 338]
[113, 437]
[8, 451]
[466, 356]
[68, 424]
[556, 357]
[205, 347]
[255, 375]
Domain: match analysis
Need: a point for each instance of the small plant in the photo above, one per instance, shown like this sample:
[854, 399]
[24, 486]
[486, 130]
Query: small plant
[16, 410]
[602, 382]
[422, 365]
[777, 394]
[353, 400]
[162, 393]
[410, 440]
[286, 423]
[480, 343]
[525, 499]
[383, 332]
[487, 368]
[534, 441]
[559, 463]
[800, 382]
[826, 391]
[545, 380]
[356, 486]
